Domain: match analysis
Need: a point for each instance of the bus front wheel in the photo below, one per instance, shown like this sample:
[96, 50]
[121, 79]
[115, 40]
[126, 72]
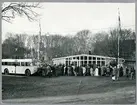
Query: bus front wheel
[6, 71]
[27, 72]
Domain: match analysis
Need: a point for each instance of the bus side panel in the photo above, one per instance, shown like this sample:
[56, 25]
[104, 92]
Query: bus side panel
[21, 69]
[11, 69]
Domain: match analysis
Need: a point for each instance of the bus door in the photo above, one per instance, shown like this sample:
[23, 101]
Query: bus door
[18, 68]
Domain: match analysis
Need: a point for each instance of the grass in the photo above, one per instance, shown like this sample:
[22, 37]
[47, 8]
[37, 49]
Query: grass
[34, 86]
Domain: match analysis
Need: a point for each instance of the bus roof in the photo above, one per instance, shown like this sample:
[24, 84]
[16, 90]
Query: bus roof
[16, 60]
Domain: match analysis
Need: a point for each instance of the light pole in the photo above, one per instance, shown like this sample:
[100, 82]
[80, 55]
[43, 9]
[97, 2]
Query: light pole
[39, 40]
[16, 60]
[119, 33]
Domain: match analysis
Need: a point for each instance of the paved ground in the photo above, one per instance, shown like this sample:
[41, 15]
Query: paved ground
[79, 90]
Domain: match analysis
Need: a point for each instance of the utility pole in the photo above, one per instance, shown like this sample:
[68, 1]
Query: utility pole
[119, 33]
[16, 49]
[31, 50]
[39, 40]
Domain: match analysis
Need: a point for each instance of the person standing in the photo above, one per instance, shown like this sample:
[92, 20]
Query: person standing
[96, 71]
[80, 70]
[87, 70]
[84, 70]
[102, 71]
[69, 70]
[117, 73]
[53, 70]
[132, 73]
[91, 71]
[74, 70]
[108, 71]
[127, 72]
[99, 70]
[111, 70]
[49, 71]
[114, 73]
[121, 71]
[66, 70]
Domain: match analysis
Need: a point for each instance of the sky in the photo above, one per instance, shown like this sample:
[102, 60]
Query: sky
[69, 18]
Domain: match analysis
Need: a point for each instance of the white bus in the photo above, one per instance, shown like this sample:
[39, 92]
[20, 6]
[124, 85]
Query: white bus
[19, 66]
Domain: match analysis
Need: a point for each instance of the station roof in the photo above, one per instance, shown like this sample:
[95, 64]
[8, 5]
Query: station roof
[84, 55]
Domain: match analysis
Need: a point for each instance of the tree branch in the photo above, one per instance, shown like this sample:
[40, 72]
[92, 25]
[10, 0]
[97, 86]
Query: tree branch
[20, 9]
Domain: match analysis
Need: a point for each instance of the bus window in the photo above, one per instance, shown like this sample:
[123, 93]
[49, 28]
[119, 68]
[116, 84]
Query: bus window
[12, 63]
[25, 63]
[9, 63]
[3, 63]
[6, 63]
[17, 64]
[28, 63]
[22, 64]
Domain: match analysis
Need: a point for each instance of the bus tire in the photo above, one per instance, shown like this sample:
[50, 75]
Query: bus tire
[6, 71]
[27, 72]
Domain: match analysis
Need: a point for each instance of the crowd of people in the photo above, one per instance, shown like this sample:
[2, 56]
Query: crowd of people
[90, 70]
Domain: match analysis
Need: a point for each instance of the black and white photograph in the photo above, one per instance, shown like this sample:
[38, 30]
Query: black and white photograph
[68, 53]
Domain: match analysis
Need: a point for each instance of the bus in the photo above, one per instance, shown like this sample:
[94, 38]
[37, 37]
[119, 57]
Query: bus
[19, 66]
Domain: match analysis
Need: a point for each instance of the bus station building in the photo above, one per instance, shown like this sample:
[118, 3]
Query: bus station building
[85, 59]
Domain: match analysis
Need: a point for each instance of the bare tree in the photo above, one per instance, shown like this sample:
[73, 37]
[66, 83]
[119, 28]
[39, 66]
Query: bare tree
[10, 10]
[82, 41]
